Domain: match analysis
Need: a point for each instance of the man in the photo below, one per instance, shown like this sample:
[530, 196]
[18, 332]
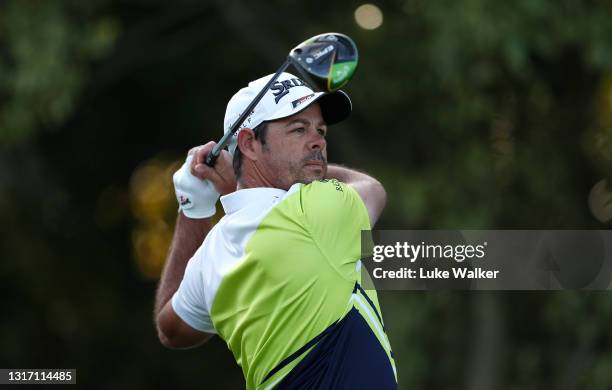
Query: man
[278, 277]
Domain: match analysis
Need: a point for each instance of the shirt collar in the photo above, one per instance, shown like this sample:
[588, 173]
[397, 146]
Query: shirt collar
[250, 197]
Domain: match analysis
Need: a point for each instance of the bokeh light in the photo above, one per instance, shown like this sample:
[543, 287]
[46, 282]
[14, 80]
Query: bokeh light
[154, 208]
[600, 201]
[368, 16]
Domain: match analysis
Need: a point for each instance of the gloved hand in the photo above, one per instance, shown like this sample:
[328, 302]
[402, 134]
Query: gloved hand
[196, 197]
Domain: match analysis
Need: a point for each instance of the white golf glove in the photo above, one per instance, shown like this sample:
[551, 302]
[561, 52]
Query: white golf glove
[196, 197]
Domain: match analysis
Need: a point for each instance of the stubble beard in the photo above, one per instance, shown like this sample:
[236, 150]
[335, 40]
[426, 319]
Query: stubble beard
[299, 170]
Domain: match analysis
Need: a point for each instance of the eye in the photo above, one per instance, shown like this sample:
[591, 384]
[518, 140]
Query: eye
[323, 132]
[299, 130]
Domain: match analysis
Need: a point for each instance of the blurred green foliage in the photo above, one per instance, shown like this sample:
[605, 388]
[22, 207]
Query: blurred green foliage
[47, 49]
[474, 114]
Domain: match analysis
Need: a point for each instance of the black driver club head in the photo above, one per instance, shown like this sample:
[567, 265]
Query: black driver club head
[326, 61]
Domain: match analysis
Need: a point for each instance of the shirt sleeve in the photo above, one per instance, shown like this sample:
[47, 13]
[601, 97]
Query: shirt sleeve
[335, 215]
[188, 301]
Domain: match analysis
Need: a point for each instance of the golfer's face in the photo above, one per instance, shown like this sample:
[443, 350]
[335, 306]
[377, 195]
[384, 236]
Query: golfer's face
[296, 149]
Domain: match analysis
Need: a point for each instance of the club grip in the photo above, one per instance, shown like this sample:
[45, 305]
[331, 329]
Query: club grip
[212, 157]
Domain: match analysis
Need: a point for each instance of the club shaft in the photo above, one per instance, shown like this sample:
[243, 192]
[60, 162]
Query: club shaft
[214, 154]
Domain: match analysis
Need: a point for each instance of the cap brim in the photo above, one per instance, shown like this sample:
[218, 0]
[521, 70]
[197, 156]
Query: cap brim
[335, 107]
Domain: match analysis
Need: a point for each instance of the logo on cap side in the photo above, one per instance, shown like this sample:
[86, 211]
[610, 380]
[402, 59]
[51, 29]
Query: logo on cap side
[281, 88]
[301, 100]
[247, 121]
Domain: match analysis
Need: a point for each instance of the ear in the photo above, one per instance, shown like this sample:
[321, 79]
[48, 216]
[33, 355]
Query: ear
[248, 144]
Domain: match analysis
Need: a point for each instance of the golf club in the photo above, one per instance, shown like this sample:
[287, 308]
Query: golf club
[326, 61]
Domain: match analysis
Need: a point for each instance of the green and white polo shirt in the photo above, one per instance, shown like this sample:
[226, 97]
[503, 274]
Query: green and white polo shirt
[276, 272]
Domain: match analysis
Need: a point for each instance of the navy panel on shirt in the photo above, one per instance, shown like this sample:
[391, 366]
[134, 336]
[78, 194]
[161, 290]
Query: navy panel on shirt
[348, 356]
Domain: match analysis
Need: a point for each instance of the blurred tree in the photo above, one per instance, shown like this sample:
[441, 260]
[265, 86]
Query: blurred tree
[47, 49]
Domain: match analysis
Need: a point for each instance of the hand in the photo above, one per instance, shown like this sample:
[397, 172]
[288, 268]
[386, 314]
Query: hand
[221, 175]
[197, 186]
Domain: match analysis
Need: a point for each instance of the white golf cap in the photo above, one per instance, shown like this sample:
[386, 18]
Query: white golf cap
[286, 96]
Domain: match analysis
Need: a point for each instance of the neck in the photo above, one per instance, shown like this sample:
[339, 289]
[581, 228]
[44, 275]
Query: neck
[252, 177]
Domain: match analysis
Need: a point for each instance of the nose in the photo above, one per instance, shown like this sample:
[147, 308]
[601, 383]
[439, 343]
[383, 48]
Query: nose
[318, 142]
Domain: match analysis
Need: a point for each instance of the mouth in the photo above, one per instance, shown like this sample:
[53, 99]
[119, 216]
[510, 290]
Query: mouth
[317, 163]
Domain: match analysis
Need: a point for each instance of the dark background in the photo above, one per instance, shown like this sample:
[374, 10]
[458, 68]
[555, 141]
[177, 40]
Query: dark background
[474, 114]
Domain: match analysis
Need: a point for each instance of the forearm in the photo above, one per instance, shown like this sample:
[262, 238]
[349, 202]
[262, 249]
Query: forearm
[347, 175]
[371, 190]
[188, 236]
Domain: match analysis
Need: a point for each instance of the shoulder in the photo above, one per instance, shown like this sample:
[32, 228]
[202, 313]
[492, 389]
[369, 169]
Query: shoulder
[323, 199]
[326, 188]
